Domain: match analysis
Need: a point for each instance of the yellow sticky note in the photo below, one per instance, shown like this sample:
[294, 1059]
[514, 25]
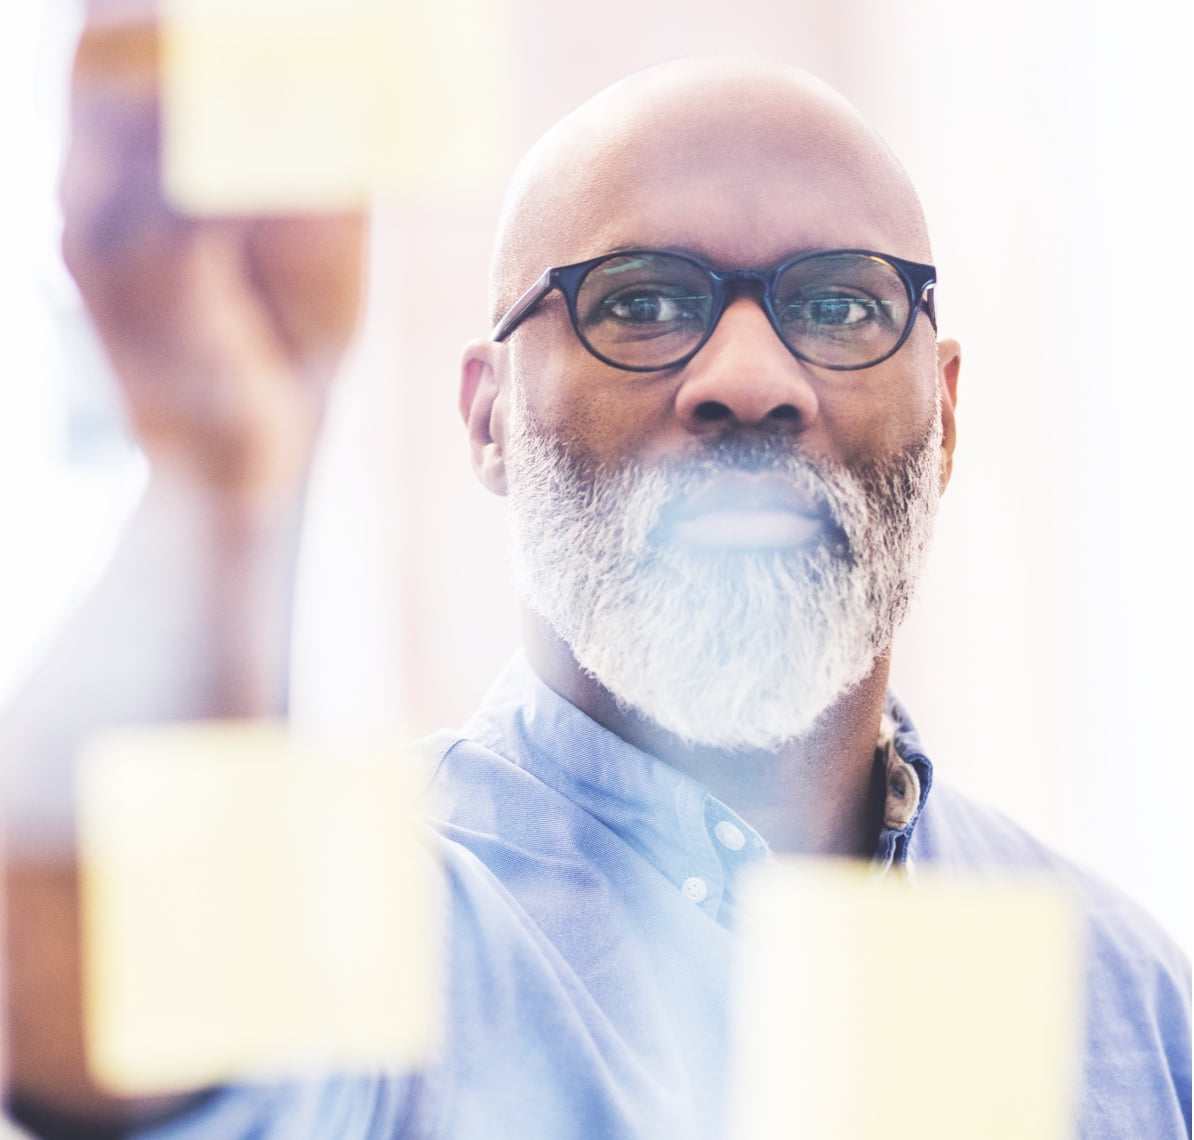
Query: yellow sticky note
[275, 106]
[253, 905]
[927, 1009]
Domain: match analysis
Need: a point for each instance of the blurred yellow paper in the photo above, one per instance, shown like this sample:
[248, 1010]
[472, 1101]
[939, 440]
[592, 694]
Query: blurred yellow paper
[252, 906]
[929, 1009]
[276, 106]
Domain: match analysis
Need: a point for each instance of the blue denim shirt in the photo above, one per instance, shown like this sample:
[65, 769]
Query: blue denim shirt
[593, 890]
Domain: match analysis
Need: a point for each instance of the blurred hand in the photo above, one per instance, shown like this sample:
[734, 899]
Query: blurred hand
[224, 333]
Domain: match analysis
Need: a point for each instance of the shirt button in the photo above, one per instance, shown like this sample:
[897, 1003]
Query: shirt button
[695, 889]
[729, 836]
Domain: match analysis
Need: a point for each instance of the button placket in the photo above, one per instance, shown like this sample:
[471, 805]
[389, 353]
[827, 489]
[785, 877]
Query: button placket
[701, 879]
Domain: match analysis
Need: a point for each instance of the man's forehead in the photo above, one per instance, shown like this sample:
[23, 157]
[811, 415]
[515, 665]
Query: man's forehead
[739, 161]
[738, 205]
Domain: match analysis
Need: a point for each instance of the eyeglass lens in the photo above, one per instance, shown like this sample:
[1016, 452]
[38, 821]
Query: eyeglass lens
[843, 310]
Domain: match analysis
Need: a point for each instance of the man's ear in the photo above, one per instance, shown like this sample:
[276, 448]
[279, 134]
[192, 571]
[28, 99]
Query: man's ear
[949, 361]
[482, 413]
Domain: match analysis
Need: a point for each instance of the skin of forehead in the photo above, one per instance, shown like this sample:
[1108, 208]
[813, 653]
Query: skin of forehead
[711, 115]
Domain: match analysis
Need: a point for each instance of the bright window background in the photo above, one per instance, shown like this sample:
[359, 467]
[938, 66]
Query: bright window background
[1049, 661]
[67, 475]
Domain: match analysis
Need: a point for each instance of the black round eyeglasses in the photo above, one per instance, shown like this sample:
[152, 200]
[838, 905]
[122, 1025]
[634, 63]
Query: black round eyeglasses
[645, 310]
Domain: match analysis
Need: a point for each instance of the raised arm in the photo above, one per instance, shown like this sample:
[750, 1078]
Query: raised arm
[225, 335]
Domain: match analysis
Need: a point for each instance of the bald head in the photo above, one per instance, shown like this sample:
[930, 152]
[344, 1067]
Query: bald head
[756, 143]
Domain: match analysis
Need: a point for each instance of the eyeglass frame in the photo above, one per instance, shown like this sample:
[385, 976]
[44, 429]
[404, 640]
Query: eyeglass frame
[919, 280]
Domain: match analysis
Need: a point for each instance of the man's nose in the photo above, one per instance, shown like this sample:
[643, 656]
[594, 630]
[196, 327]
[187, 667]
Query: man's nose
[745, 375]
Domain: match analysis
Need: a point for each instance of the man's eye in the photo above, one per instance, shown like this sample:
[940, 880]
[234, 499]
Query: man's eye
[647, 307]
[838, 310]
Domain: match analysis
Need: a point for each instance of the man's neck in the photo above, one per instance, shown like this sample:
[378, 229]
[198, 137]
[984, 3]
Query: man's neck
[815, 795]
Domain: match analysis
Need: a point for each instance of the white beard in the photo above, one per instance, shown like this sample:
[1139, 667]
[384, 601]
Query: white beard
[739, 649]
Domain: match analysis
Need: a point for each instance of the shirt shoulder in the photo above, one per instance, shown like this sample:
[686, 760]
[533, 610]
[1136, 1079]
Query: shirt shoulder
[1136, 1067]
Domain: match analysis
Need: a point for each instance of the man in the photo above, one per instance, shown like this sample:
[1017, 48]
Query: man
[723, 420]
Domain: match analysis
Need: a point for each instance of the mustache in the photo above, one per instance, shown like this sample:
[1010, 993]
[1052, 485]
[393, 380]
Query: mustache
[817, 481]
[814, 476]
[752, 454]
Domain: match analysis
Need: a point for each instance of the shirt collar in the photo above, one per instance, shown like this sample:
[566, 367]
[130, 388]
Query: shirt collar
[665, 815]
[668, 817]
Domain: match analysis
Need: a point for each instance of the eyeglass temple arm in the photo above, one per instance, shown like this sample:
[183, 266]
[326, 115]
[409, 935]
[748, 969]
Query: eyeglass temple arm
[928, 303]
[524, 305]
